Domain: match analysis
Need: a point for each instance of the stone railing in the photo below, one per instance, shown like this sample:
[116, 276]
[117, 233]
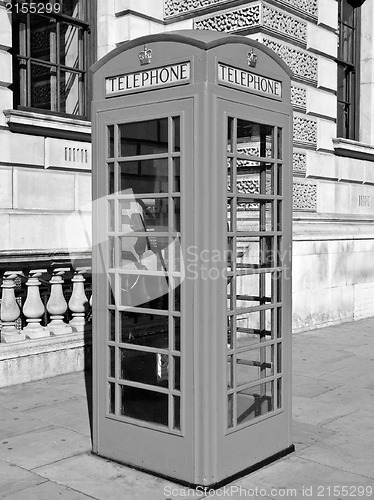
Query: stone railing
[45, 302]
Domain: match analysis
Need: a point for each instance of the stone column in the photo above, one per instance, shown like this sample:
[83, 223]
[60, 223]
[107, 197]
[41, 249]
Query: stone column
[57, 305]
[10, 310]
[33, 308]
[78, 302]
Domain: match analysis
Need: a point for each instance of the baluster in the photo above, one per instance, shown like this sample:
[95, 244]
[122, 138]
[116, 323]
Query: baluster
[33, 308]
[78, 302]
[10, 310]
[57, 305]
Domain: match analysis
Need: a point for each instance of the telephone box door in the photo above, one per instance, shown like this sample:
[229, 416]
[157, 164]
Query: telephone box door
[144, 392]
[256, 151]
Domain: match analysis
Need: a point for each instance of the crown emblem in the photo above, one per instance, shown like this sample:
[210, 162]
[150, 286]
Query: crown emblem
[252, 58]
[145, 56]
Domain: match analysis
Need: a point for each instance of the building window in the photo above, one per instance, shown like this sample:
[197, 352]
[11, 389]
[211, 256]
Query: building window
[348, 69]
[51, 56]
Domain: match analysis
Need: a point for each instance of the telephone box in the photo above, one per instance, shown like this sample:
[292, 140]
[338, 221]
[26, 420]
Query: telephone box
[192, 255]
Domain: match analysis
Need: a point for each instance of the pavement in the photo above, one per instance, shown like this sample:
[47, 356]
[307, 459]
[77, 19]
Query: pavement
[45, 434]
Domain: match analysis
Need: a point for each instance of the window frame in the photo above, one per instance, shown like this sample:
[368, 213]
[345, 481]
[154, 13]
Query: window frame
[22, 91]
[348, 105]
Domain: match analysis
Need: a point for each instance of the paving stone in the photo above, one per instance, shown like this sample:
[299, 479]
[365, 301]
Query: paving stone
[13, 479]
[47, 491]
[26, 396]
[13, 423]
[308, 386]
[105, 480]
[290, 477]
[304, 435]
[71, 414]
[43, 446]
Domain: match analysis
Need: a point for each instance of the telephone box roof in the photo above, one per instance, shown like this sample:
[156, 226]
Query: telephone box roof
[203, 39]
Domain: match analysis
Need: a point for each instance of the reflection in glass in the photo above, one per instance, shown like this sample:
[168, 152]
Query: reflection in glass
[111, 141]
[177, 412]
[254, 177]
[176, 134]
[253, 327]
[230, 411]
[176, 175]
[254, 215]
[254, 252]
[143, 215]
[230, 173]
[254, 139]
[143, 138]
[177, 373]
[112, 361]
[111, 178]
[230, 134]
[254, 402]
[112, 397]
[279, 358]
[144, 176]
[230, 371]
[177, 333]
[279, 393]
[149, 330]
[142, 404]
[145, 367]
[112, 325]
[111, 253]
[254, 364]
[144, 291]
[279, 142]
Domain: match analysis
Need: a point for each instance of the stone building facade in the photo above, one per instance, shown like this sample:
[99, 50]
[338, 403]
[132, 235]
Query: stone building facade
[45, 154]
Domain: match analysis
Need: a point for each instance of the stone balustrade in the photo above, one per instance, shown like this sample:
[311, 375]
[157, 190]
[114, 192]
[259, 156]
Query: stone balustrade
[44, 302]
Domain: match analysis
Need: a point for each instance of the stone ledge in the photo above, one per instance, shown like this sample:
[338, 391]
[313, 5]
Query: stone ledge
[30, 360]
[35, 123]
[353, 149]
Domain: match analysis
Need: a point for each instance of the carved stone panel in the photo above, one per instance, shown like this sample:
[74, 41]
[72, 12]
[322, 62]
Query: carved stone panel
[304, 196]
[298, 97]
[302, 64]
[230, 22]
[304, 131]
[299, 163]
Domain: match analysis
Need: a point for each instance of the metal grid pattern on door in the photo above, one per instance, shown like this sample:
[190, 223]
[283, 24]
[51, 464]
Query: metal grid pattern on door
[254, 270]
[143, 260]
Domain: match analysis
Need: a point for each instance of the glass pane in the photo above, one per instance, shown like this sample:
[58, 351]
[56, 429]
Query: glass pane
[111, 253]
[112, 362]
[69, 92]
[253, 290]
[112, 325]
[176, 298]
[177, 334]
[177, 373]
[279, 358]
[145, 405]
[141, 215]
[254, 402]
[146, 176]
[279, 322]
[280, 255]
[254, 364]
[254, 252]
[144, 291]
[43, 38]
[111, 178]
[254, 177]
[230, 372]
[43, 87]
[254, 216]
[230, 332]
[230, 135]
[230, 411]
[253, 327]
[278, 283]
[279, 393]
[230, 215]
[230, 293]
[254, 139]
[111, 141]
[111, 289]
[176, 175]
[230, 174]
[149, 330]
[70, 37]
[280, 177]
[110, 215]
[73, 8]
[176, 134]
[280, 144]
[177, 412]
[112, 398]
[177, 215]
[145, 367]
[143, 138]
